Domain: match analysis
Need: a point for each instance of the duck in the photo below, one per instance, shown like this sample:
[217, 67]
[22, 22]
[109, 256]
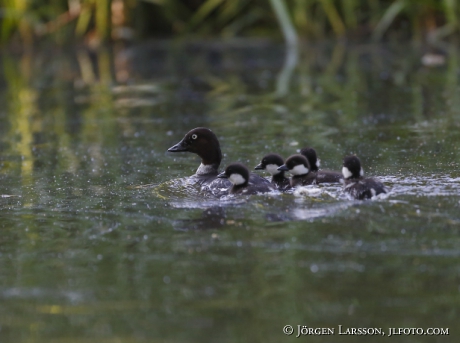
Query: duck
[299, 167]
[355, 184]
[271, 162]
[322, 176]
[203, 142]
[238, 175]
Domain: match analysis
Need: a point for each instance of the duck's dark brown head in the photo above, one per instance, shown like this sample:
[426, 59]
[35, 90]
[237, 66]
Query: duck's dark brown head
[204, 143]
[271, 163]
[297, 165]
[237, 173]
[312, 158]
[352, 168]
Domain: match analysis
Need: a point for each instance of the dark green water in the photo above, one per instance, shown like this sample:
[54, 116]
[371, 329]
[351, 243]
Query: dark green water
[87, 255]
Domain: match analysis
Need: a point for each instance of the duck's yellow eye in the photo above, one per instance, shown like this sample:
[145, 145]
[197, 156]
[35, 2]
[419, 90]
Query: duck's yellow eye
[194, 136]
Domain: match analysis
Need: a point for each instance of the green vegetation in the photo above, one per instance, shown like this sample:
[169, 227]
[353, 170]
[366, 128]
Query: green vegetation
[99, 20]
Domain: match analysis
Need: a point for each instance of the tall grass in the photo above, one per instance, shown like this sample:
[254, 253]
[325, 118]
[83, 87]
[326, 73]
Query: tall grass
[62, 20]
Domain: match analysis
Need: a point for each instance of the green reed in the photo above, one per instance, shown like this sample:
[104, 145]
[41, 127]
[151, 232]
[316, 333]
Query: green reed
[311, 19]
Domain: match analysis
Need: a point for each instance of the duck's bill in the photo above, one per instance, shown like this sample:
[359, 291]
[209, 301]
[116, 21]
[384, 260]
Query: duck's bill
[283, 168]
[179, 147]
[259, 167]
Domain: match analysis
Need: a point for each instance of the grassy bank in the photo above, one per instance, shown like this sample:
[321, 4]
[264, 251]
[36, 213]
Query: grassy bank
[98, 20]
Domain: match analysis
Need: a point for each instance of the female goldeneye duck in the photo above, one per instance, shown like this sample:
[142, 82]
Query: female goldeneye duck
[271, 163]
[354, 182]
[204, 143]
[238, 175]
[322, 176]
[299, 167]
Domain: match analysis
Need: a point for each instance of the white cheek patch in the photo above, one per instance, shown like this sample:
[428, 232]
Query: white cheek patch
[299, 170]
[346, 173]
[318, 162]
[272, 169]
[361, 172]
[237, 179]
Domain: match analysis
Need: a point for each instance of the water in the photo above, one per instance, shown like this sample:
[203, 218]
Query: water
[101, 240]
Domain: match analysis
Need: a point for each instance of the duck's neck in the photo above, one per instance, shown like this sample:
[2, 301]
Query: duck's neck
[278, 177]
[210, 161]
[207, 169]
[303, 175]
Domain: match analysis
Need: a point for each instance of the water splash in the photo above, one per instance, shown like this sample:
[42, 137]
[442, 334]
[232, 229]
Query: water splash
[422, 185]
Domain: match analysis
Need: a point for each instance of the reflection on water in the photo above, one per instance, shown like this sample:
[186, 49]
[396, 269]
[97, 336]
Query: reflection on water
[103, 239]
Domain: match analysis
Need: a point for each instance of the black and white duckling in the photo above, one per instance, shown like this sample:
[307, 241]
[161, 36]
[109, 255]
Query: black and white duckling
[238, 175]
[299, 167]
[354, 182]
[322, 176]
[271, 163]
[203, 142]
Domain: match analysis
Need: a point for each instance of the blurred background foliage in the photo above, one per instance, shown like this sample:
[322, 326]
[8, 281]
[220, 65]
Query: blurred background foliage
[95, 21]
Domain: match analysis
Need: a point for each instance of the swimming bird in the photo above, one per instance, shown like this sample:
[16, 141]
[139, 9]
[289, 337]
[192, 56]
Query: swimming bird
[354, 182]
[271, 163]
[238, 175]
[203, 142]
[299, 167]
[322, 176]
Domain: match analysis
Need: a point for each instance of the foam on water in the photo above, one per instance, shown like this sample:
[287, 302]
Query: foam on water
[422, 185]
[307, 202]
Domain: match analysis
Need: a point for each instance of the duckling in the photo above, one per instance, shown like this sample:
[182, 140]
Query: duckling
[271, 163]
[299, 167]
[354, 182]
[238, 175]
[322, 176]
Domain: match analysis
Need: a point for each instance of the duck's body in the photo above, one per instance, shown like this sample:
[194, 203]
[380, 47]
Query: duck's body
[355, 184]
[299, 167]
[238, 175]
[364, 188]
[204, 143]
[328, 176]
[271, 163]
[303, 180]
[322, 176]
